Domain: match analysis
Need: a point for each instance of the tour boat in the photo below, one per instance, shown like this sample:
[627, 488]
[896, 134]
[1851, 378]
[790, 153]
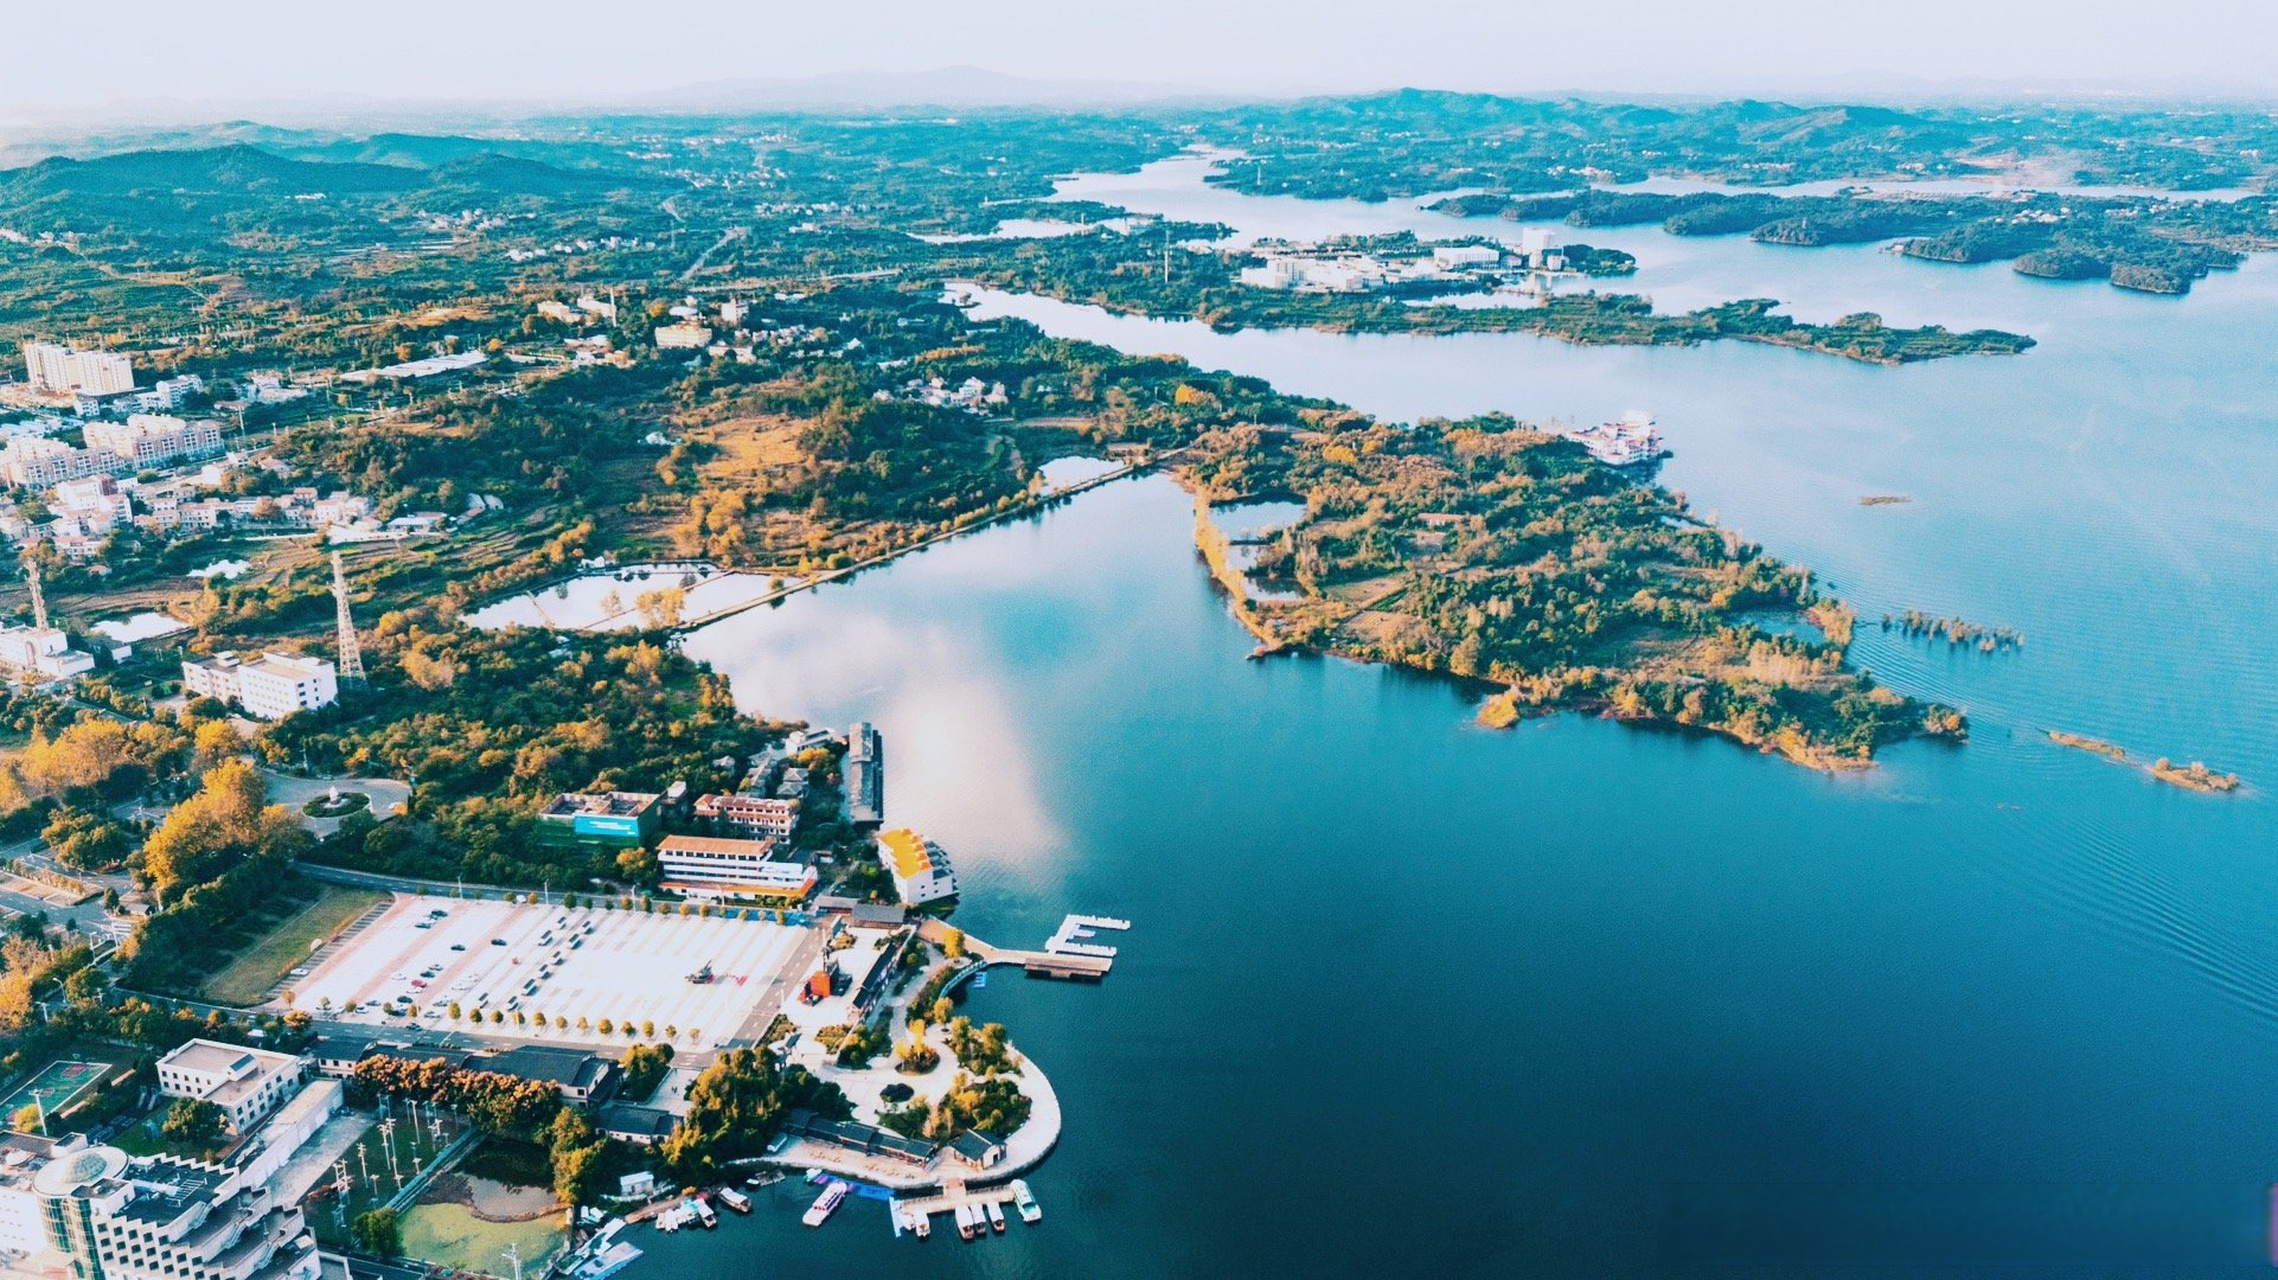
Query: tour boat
[1025, 1200]
[735, 1199]
[825, 1204]
[705, 1218]
[607, 1263]
[996, 1217]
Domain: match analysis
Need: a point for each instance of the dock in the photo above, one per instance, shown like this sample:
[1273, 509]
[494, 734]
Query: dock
[1064, 956]
[952, 1196]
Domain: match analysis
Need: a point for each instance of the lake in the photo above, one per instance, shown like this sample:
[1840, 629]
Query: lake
[1405, 996]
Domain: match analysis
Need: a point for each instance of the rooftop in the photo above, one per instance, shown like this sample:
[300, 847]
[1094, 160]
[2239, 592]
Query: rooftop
[600, 803]
[714, 844]
[906, 851]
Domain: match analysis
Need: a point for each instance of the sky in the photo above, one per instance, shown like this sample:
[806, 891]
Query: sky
[127, 58]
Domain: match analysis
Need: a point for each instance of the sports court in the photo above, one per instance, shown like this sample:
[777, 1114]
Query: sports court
[562, 963]
[58, 1087]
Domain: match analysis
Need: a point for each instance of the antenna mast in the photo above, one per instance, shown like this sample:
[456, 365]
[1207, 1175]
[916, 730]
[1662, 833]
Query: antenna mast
[351, 656]
[39, 597]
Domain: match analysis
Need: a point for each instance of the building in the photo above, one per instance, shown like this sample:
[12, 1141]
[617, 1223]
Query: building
[270, 687]
[609, 817]
[920, 868]
[586, 1079]
[683, 337]
[722, 870]
[749, 815]
[562, 312]
[23, 1228]
[865, 775]
[36, 462]
[167, 394]
[1452, 257]
[151, 439]
[111, 1216]
[595, 306]
[640, 1126]
[732, 313]
[54, 368]
[246, 1084]
[40, 654]
[93, 502]
[433, 366]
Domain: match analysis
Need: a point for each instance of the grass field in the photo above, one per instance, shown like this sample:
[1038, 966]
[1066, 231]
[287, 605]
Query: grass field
[57, 1086]
[451, 1236]
[247, 979]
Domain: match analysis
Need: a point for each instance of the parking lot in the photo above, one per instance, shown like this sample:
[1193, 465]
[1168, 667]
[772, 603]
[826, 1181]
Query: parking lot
[558, 963]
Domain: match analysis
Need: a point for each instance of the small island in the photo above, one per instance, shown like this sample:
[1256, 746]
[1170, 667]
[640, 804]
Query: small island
[2195, 776]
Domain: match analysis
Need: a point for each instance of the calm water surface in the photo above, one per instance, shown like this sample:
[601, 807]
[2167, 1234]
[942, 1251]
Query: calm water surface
[1408, 997]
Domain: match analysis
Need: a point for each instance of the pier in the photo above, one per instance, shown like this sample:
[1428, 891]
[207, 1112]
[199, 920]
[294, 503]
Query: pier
[952, 1196]
[1064, 955]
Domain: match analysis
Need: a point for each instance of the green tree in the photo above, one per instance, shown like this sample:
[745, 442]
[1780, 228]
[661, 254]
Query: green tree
[377, 1233]
[193, 1127]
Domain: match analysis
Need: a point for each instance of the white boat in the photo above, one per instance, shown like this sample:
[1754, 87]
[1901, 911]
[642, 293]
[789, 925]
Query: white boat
[996, 1217]
[705, 1218]
[921, 1224]
[669, 1221]
[825, 1204]
[735, 1199]
[1025, 1200]
[966, 1224]
[607, 1263]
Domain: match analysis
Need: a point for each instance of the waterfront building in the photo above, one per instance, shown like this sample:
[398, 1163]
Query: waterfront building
[749, 815]
[919, 867]
[719, 869]
[640, 1126]
[583, 1078]
[865, 775]
[245, 1083]
[609, 817]
[270, 687]
[1455, 257]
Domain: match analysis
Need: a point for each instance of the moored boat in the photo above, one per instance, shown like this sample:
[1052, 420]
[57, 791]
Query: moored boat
[825, 1204]
[702, 1209]
[735, 1199]
[966, 1226]
[996, 1217]
[1025, 1200]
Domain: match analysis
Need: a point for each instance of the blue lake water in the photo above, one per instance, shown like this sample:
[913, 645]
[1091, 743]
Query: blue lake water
[1409, 997]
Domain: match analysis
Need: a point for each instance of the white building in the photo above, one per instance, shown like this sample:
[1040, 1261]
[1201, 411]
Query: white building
[150, 439]
[41, 654]
[95, 503]
[246, 1084]
[683, 337]
[920, 869]
[40, 463]
[732, 314]
[51, 367]
[719, 869]
[1451, 257]
[562, 312]
[270, 687]
[595, 306]
[1535, 242]
[110, 1216]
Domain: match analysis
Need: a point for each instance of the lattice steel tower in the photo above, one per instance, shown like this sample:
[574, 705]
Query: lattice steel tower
[351, 657]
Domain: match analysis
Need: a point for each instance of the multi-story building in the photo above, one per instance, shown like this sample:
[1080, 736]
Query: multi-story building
[717, 869]
[36, 462]
[150, 439]
[865, 775]
[682, 337]
[609, 817]
[51, 367]
[39, 654]
[246, 1084]
[749, 815]
[270, 687]
[95, 502]
[111, 1216]
[919, 867]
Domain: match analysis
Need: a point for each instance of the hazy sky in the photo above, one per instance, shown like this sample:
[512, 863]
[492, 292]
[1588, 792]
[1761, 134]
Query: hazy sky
[74, 58]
